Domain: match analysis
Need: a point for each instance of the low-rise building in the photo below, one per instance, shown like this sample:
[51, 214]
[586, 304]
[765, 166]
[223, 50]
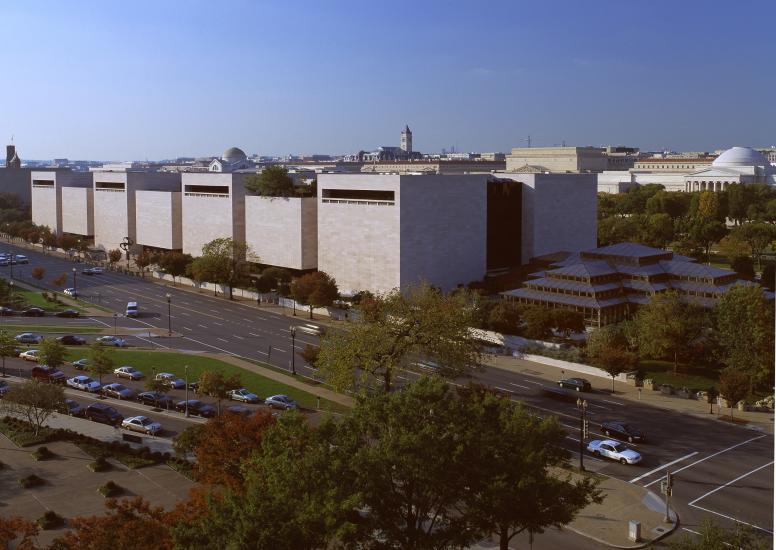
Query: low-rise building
[283, 231]
[46, 192]
[556, 159]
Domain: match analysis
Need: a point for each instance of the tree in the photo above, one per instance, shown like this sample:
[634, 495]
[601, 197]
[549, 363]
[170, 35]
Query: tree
[7, 347]
[675, 204]
[20, 532]
[744, 332]
[34, 400]
[188, 440]
[513, 483]
[272, 181]
[224, 443]
[154, 384]
[768, 277]
[744, 266]
[276, 278]
[654, 230]
[504, 317]
[223, 261]
[114, 256]
[38, 272]
[67, 242]
[734, 386]
[310, 355]
[539, 322]
[175, 264]
[608, 349]
[394, 330]
[758, 236]
[60, 280]
[142, 261]
[667, 325]
[100, 362]
[215, 384]
[709, 205]
[568, 321]
[705, 232]
[129, 524]
[733, 247]
[316, 289]
[711, 536]
[52, 353]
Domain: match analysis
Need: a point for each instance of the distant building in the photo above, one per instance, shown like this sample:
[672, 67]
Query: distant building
[433, 166]
[232, 160]
[607, 284]
[406, 139]
[12, 159]
[556, 159]
[389, 152]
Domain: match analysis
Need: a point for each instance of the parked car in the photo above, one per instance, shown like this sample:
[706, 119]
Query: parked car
[33, 312]
[6, 311]
[29, 355]
[71, 340]
[614, 450]
[92, 271]
[156, 399]
[4, 388]
[128, 372]
[67, 313]
[105, 414]
[578, 384]
[196, 407]
[239, 409]
[141, 424]
[280, 402]
[81, 364]
[171, 380]
[29, 338]
[622, 430]
[71, 407]
[44, 373]
[71, 292]
[118, 391]
[111, 341]
[20, 259]
[243, 395]
[85, 383]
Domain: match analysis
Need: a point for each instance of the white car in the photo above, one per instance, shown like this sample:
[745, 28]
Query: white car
[21, 259]
[111, 341]
[243, 395]
[83, 382]
[614, 450]
[280, 402]
[141, 424]
[29, 355]
[128, 372]
[71, 292]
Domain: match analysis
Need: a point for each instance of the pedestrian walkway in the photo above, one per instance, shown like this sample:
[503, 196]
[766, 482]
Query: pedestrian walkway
[760, 421]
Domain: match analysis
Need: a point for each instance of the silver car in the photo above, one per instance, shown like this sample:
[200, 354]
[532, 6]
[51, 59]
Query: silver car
[141, 424]
[29, 338]
[281, 402]
[111, 341]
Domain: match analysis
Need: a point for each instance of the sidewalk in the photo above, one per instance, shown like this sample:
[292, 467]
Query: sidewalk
[759, 421]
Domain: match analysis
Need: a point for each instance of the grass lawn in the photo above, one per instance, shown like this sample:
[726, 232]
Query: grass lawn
[694, 378]
[152, 361]
[34, 298]
[65, 329]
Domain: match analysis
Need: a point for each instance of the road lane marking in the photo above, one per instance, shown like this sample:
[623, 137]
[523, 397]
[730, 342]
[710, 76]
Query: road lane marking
[187, 328]
[532, 382]
[663, 467]
[732, 519]
[615, 402]
[217, 323]
[201, 326]
[186, 314]
[520, 386]
[710, 456]
[730, 483]
[227, 341]
[247, 320]
[254, 334]
[215, 311]
[240, 337]
[597, 405]
[151, 342]
[503, 389]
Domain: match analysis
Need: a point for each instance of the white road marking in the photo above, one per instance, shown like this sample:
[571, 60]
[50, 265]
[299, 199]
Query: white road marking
[708, 457]
[151, 342]
[217, 323]
[519, 386]
[187, 328]
[240, 337]
[597, 405]
[614, 402]
[663, 467]
[254, 334]
[227, 341]
[730, 483]
[201, 326]
[532, 382]
[503, 389]
[247, 320]
[732, 518]
[215, 311]
[184, 313]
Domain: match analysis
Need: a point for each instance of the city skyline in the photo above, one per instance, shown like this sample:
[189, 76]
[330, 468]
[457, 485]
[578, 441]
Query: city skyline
[119, 83]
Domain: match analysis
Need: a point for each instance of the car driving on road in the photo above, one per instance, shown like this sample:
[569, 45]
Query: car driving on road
[578, 384]
[243, 395]
[613, 450]
[67, 313]
[92, 271]
[33, 312]
[111, 341]
[281, 402]
[128, 372]
[141, 424]
[118, 391]
[622, 430]
[71, 292]
[28, 338]
[83, 382]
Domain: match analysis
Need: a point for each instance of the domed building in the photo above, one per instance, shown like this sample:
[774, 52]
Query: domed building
[232, 159]
[736, 165]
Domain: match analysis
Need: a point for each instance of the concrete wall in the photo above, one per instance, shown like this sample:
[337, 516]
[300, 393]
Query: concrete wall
[443, 230]
[78, 210]
[208, 216]
[111, 222]
[283, 231]
[46, 202]
[158, 219]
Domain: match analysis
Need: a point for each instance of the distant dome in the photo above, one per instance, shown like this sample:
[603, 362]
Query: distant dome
[741, 156]
[234, 154]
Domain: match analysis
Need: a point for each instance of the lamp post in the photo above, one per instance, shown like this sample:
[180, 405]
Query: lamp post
[293, 346]
[582, 405]
[186, 371]
[169, 314]
[75, 288]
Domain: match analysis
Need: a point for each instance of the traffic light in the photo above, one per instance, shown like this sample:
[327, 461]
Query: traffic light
[669, 479]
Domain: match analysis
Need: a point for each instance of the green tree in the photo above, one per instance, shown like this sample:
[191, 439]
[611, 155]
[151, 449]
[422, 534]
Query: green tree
[277, 279]
[744, 266]
[675, 204]
[567, 321]
[224, 261]
[733, 247]
[745, 332]
[52, 353]
[539, 322]
[187, 440]
[608, 349]
[706, 232]
[655, 230]
[316, 289]
[7, 347]
[734, 385]
[709, 205]
[504, 317]
[768, 277]
[395, 330]
[175, 264]
[215, 384]
[616, 230]
[667, 325]
[100, 361]
[758, 236]
[34, 400]
[272, 181]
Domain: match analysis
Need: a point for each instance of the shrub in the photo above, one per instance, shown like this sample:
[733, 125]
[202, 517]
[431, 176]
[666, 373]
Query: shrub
[100, 465]
[110, 490]
[42, 453]
[51, 520]
[31, 481]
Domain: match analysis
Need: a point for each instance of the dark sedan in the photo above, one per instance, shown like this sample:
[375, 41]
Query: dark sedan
[622, 430]
[156, 399]
[67, 313]
[196, 407]
[71, 340]
[33, 312]
[578, 384]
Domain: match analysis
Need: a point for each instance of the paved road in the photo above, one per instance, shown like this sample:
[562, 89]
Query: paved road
[722, 471]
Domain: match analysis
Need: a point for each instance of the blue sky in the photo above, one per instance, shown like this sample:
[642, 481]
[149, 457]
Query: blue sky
[132, 80]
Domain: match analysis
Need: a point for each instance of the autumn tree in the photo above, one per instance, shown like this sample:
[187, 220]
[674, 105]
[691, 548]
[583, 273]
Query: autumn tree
[394, 330]
[608, 349]
[310, 355]
[175, 264]
[215, 384]
[34, 400]
[316, 289]
[60, 280]
[734, 386]
[18, 533]
[114, 256]
[142, 261]
[667, 326]
[38, 272]
[100, 361]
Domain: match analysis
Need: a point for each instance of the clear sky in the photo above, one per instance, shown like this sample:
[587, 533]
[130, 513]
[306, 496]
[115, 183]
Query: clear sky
[114, 80]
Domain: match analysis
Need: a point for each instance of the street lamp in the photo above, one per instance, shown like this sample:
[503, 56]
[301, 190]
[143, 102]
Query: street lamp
[186, 371]
[169, 315]
[293, 355]
[582, 405]
[75, 288]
